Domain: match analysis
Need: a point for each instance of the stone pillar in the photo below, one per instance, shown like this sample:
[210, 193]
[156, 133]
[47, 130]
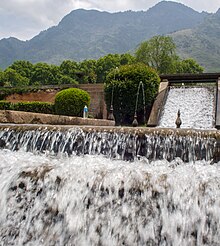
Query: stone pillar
[163, 85]
[217, 119]
[158, 104]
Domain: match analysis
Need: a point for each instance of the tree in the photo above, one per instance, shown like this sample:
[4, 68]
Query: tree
[64, 80]
[109, 62]
[88, 68]
[158, 53]
[44, 74]
[126, 59]
[24, 68]
[188, 66]
[11, 78]
[122, 86]
[1, 78]
[69, 68]
[105, 65]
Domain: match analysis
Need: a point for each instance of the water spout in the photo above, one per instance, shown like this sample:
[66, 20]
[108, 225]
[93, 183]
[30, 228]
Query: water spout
[135, 122]
[111, 115]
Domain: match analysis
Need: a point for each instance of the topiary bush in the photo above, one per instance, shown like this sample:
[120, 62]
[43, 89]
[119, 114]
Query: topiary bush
[71, 102]
[124, 83]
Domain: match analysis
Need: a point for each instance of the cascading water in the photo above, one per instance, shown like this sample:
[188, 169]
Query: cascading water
[196, 104]
[72, 187]
[153, 145]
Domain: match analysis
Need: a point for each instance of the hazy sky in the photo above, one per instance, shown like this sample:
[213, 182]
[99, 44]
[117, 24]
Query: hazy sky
[24, 19]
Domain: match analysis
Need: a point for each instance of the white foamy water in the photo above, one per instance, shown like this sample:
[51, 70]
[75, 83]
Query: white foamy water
[92, 200]
[196, 105]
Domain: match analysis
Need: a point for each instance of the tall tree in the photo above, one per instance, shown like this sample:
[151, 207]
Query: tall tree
[105, 64]
[159, 53]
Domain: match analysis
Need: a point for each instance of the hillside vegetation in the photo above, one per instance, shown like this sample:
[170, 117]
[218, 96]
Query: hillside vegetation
[201, 43]
[91, 34]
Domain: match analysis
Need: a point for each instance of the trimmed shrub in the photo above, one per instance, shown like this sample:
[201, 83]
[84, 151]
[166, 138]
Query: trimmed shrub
[4, 105]
[35, 107]
[124, 82]
[71, 102]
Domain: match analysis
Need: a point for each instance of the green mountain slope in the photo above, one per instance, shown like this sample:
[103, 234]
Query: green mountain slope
[85, 34]
[201, 43]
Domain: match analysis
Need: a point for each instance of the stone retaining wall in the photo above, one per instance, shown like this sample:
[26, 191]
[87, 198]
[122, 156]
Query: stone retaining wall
[18, 117]
[97, 106]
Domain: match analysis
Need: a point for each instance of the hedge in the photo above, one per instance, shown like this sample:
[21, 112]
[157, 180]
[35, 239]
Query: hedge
[35, 107]
[4, 105]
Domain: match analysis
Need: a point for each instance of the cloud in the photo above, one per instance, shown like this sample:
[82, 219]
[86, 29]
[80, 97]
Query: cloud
[115, 5]
[202, 5]
[26, 18]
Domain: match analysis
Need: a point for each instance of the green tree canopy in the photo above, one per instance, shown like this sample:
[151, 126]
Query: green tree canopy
[11, 78]
[188, 66]
[70, 68]
[1, 78]
[158, 53]
[107, 63]
[121, 90]
[88, 67]
[45, 74]
[24, 68]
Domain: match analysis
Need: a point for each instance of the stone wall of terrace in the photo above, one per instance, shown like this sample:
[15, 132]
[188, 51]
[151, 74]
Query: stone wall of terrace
[97, 106]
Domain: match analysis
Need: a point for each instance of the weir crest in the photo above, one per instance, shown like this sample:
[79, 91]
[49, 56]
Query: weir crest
[122, 144]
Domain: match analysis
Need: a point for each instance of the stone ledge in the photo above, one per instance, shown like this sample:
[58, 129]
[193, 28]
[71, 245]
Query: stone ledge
[19, 117]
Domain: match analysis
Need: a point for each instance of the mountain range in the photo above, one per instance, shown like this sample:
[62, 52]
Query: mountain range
[90, 34]
[201, 42]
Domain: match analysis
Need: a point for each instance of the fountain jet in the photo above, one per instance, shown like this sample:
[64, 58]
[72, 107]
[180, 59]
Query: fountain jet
[135, 122]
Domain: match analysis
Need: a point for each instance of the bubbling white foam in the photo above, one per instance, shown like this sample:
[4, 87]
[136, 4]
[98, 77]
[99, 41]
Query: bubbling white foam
[196, 104]
[92, 200]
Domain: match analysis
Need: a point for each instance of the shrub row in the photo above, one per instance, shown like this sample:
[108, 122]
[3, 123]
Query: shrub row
[36, 107]
[67, 102]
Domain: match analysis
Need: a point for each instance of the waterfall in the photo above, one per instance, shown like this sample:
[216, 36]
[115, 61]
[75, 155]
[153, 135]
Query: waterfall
[91, 200]
[108, 186]
[196, 104]
[153, 145]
